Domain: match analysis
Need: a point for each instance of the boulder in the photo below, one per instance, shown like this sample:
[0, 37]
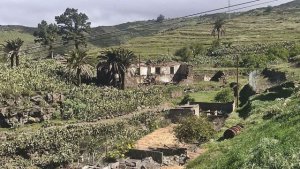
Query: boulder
[37, 99]
[55, 98]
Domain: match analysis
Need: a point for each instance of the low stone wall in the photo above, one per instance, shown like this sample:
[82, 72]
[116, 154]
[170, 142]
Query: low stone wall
[27, 110]
[141, 154]
[176, 114]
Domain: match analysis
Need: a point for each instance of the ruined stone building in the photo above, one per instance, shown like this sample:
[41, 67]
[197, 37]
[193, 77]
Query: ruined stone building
[163, 73]
[152, 73]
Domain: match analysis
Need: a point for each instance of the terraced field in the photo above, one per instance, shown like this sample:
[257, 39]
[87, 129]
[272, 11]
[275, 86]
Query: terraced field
[244, 28]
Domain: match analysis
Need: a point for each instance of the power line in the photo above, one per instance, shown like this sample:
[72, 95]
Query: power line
[93, 38]
[195, 14]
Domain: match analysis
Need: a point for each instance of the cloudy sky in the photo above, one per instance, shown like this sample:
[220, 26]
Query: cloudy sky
[107, 12]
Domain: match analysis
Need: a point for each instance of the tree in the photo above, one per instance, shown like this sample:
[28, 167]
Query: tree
[197, 49]
[78, 63]
[117, 61]
[268, 9]
[160, 18]
[46, 35]
[73, 26]
[185, 53]
[12, 48]
[218, 28]
[193, 129]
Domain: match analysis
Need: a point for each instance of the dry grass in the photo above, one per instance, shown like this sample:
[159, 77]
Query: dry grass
[164, 137]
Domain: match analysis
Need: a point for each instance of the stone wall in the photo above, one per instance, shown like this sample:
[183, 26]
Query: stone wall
[176, 114]
[17, 111]
[212, 107]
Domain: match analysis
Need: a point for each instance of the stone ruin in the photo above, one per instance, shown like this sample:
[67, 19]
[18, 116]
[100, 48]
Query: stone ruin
[148, 159]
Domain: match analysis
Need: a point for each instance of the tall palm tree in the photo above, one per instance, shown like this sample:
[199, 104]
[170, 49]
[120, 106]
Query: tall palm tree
[12, 48]
[218, 28]
[117, 61]
[78, 64]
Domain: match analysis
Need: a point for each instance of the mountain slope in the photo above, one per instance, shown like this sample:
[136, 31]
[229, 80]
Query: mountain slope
[270, 138]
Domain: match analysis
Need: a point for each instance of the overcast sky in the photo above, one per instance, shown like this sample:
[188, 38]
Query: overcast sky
[106, 12]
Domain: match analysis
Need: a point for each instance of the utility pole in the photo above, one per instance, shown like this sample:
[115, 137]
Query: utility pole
[229, 4]
[237, 80]
[140, 79]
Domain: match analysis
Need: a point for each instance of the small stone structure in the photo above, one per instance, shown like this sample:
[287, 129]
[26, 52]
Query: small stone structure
[183, 111]
[215, 107]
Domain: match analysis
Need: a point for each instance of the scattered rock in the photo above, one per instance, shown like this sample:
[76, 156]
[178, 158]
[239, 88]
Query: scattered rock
[37, 99]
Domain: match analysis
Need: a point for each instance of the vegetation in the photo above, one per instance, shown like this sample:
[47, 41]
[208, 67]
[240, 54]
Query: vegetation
[91, 119]
[46, 35]
[117, 62]
[73, 26]
[85, 102]
[12, 48]
[268, 140]
[254, 61]
[194, 129]
[225, 95]
[186, 99]
[189, 53]
[78, 62]
[62, 145]
[160, 18]
[218, 28]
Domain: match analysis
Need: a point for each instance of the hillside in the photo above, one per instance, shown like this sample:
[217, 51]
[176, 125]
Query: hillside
[8, 32]
[270, 138]
[47, 121]
[151, 39]
[254, 26]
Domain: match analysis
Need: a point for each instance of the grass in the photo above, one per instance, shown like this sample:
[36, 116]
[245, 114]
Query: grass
[13, 34]
[204, 96]
[242, 29]
[269, 139]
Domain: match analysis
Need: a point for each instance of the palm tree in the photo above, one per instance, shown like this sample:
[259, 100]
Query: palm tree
[78, 64]
[218, 28]
[12, 48]
[117, 61]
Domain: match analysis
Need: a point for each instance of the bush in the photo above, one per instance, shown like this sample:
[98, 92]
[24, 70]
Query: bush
[194, 129]
[254, 61]
[295, 50]
[160, 18]
[268, 9]
[186, 99]
[225, 95]
[185, 54]
[277, 53]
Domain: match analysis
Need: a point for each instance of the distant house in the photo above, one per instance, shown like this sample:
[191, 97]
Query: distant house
[150, 73]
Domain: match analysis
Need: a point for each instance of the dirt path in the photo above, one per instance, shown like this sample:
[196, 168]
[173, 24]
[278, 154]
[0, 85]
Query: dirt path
[164, 137]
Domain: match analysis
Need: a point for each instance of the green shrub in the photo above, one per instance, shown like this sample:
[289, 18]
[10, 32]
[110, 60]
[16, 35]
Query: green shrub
[225, 95]
[194, 129]
[186, 99]
[184, 53]
[254, 61]
[277, 53]
[295, 50]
